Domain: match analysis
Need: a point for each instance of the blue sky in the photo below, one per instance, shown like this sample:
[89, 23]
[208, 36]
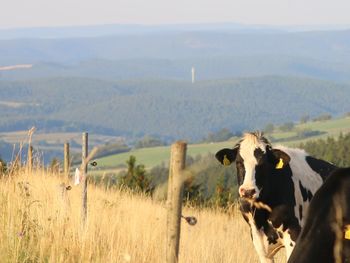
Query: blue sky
[33, 13]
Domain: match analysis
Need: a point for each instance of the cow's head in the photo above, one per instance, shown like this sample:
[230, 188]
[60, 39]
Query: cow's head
[255, 160]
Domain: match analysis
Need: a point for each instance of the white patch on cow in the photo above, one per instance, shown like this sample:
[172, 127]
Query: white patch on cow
[260, 242]
[285, 241]
[248, 145]
[288, 244]
[301, 172]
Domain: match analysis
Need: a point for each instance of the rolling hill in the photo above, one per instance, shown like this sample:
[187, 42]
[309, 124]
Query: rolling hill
[216, 51]
[169, 109]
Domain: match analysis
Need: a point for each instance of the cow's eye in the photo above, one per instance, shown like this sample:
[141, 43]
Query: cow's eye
[261, 160]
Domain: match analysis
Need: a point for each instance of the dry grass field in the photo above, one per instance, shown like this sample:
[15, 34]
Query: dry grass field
[36, 225]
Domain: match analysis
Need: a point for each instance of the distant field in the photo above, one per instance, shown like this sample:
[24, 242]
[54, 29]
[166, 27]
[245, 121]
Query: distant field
[331, 128]
[55, 141]
[151, 157]
[154, 156]
[59, 137]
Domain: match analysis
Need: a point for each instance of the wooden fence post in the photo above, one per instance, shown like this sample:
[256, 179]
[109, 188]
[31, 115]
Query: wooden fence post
[30, 150]
[66, 160]
[30, 158]
[63, 197]
[63, 187]
[84, 179]
[174, 200]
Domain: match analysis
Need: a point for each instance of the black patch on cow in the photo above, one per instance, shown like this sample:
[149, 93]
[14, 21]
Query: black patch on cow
[306, 194]
[240, 169]
[303, 191]
[300, 212]
[321, 167]
[309, 195]
[284, 214]
[280, 234]
[258, 154]
[291, 244]
[271, 233]
[244, 205]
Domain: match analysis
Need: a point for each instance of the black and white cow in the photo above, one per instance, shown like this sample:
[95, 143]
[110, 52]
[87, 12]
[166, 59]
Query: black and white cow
[326, 233]
[282, 178]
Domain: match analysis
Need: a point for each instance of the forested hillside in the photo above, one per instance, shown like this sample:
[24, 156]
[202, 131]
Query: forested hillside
[207, 68]
[169, 109]
[335, 150]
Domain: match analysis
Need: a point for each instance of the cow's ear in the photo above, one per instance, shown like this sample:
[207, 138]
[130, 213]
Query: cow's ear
[281, 158]
[226, 156]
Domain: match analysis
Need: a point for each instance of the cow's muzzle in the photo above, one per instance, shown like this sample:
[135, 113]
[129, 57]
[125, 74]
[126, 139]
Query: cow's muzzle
[247, 193]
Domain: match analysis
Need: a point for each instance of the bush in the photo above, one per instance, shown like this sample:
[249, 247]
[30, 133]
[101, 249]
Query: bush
[304, 119]
[288, 126]
[136, 177]
[323, 117]
[219, 136]
[269, 128]
[305, 133]
[149, 141]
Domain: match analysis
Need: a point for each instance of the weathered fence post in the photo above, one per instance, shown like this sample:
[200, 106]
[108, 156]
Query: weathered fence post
[63, 197]
[84, 179]
[30, 158]
[174, 200]
[30, 150]
[63, 187]
[66, 160]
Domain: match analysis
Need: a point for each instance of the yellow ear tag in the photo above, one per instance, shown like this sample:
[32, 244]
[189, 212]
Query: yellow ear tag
[226, 161]
[347, 232]
[280, 164]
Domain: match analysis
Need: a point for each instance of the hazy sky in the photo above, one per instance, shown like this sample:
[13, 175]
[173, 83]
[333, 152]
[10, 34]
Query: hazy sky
[28, 13]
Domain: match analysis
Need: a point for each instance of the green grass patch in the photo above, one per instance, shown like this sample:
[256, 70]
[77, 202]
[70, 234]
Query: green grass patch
[151, 157]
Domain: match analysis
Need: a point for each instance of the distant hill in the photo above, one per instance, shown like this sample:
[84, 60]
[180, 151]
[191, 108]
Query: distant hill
[322, 45]
[180, 69]
[170, 109]
[216, 52]
[134, 29]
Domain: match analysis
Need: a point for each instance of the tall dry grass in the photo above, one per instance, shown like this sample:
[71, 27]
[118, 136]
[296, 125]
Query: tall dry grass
[37, 226]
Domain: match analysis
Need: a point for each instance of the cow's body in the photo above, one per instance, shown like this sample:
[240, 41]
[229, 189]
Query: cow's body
[329, 215]
[284, 179]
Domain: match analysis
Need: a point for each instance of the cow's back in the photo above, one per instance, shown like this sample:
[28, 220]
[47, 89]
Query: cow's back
[308, 174]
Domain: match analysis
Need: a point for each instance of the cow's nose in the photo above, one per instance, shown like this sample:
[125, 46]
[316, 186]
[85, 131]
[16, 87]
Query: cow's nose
[247, 193]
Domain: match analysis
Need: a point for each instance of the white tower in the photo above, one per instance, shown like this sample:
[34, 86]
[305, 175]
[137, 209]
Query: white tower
[193, 74]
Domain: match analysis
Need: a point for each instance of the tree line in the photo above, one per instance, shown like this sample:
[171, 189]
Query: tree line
[335, 150]
[210, 184]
